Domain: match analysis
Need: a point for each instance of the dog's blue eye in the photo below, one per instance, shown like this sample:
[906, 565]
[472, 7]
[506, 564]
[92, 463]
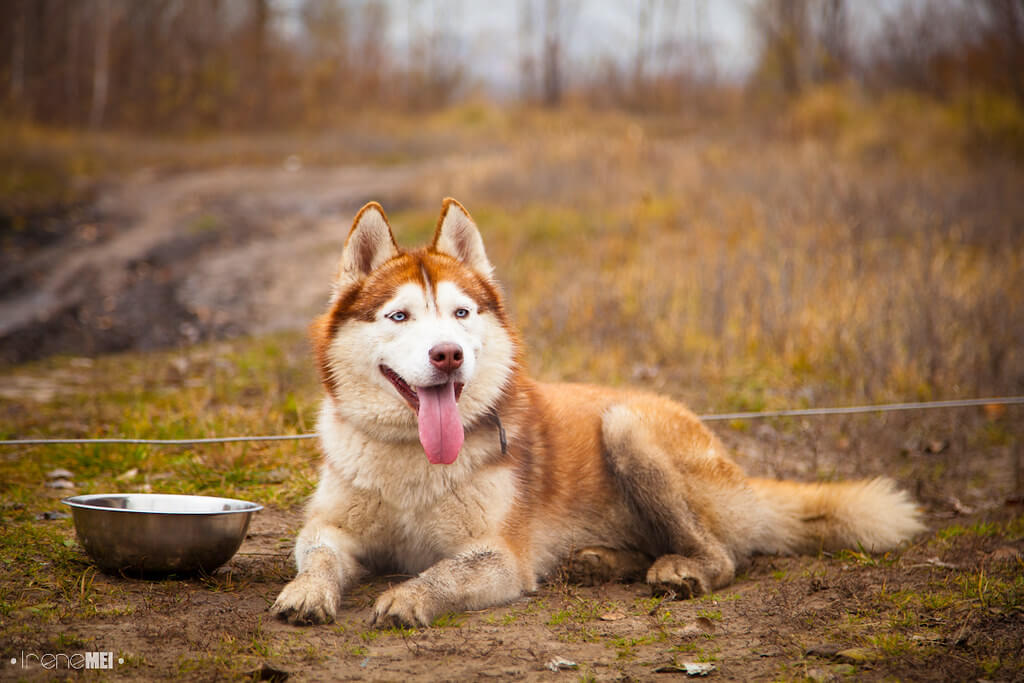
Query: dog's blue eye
[462, 313]
[397, 316]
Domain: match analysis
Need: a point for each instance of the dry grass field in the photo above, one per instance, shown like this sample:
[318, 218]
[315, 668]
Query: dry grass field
[839, 254]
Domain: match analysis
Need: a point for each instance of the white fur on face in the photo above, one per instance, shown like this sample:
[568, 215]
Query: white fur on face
[405, 346]
[366, 397]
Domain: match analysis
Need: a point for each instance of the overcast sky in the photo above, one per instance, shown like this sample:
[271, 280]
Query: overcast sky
[488, 31]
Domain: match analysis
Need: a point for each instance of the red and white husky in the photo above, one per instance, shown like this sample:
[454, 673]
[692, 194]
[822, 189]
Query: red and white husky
[444, 460]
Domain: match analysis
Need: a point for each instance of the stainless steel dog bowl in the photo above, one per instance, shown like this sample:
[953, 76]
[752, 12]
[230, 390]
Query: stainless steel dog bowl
[159, 533]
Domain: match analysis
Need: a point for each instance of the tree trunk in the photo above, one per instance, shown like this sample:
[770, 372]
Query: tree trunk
[101, 64]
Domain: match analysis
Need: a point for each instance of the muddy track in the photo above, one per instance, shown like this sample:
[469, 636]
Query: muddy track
[160, 261]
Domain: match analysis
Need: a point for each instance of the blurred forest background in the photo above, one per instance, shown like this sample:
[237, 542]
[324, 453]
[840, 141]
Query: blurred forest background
[843, 207]
[284, 64]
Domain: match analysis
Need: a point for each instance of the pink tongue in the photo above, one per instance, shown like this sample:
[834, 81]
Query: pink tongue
[441, 430]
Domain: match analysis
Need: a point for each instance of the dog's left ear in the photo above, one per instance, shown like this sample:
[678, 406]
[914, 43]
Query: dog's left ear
[458, 237]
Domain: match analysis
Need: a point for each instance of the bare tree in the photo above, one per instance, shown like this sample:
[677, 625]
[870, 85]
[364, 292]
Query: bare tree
[19, 29]
[527, 56]
[551, 57]
[784, 28]
[834, 38]
[1008, 23]
[101, 62]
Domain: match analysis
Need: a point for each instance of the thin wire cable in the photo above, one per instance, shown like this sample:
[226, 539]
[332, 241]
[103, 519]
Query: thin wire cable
[800, 412]
[881, 408]
[158, 442]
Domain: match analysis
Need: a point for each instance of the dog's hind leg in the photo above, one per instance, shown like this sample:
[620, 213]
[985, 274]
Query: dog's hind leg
[670, 471]
[594, 565]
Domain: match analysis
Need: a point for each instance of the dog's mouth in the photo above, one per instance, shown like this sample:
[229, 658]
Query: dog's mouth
[408, 393]
[437, 412]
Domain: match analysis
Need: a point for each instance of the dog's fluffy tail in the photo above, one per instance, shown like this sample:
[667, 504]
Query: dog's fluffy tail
[807, 518]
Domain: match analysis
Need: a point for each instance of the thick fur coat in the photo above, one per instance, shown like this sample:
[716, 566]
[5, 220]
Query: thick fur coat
[445, 461]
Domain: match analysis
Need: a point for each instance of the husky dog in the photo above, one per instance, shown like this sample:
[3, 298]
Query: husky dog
[444, 460]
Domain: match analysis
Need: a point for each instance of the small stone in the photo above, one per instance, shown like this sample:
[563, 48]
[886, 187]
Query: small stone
[59, 473]
[825, 650]
[698, 627]
[52, 515]
[60, 484]
[277, 476]
[821, 675]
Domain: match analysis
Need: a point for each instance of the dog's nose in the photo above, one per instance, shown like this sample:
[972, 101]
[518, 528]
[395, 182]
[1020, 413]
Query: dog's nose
[446, 357]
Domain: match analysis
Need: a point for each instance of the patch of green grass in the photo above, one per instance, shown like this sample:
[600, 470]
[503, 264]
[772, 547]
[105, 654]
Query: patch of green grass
[991, 591]
[449, 620]
[371, 635]
[697, 651]
[558, 618]
[863, 558]
[251, 387]
[626, 647]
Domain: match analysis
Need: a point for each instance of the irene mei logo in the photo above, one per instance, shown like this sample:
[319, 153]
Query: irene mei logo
[55, 661]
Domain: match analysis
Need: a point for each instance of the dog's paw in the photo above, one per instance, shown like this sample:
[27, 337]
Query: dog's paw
[408, 604]
[677, 575]
[308, 599]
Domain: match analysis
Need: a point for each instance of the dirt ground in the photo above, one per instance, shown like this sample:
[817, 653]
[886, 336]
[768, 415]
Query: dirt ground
[946, 608]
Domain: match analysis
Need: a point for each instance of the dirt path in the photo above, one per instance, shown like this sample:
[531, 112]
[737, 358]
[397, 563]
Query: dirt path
[784, 617]
[161, 260]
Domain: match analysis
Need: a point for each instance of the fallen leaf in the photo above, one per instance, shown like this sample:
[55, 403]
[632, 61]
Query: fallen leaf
[1004, 553]
[936, 562]
[612, 616]
[128, 474]
[959, 507]
[559, 663]
[994, 411]
[688, 668]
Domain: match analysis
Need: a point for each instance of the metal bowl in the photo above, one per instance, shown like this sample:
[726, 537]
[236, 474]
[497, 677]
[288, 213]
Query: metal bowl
[159, 533]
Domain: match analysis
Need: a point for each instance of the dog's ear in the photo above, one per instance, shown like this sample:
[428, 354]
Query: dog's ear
[458, 237]
[370, 243]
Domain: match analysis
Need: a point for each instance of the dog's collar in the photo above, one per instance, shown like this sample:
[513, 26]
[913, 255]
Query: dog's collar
[501, 431]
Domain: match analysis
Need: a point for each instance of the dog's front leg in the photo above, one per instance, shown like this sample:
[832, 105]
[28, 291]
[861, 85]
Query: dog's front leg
[327, 567]
[473, 579]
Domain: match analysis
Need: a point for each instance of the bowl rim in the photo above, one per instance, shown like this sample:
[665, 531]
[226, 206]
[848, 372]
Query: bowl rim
[82, 502]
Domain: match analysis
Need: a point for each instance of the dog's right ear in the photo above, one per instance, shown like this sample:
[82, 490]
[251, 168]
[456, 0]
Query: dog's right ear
[370, 243]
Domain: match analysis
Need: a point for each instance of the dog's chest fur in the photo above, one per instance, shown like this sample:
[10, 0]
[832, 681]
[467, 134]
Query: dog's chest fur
[405, 513]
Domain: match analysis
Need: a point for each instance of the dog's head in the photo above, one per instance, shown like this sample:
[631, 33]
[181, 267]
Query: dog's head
[415, 343]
